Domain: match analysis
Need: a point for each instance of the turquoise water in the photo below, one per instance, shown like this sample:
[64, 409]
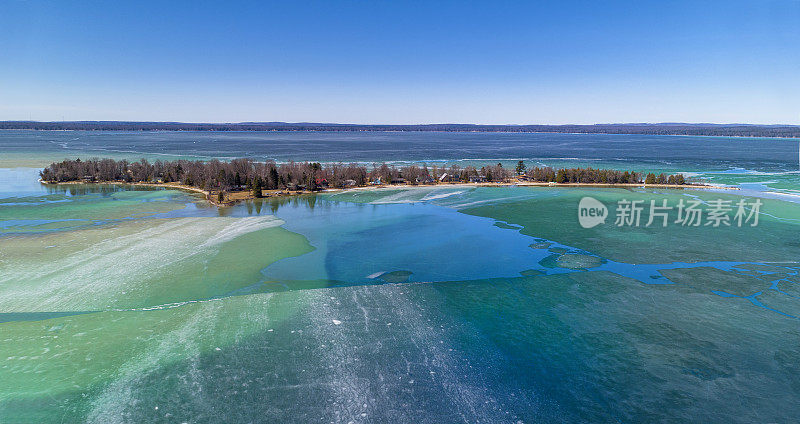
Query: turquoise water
[394, 305]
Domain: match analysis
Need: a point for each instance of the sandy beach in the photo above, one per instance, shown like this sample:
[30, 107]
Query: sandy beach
[233, 197]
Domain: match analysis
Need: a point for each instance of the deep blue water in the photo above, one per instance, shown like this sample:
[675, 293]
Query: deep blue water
[688, 152]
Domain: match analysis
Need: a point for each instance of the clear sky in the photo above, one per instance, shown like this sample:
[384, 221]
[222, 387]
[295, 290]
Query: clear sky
[401, 62]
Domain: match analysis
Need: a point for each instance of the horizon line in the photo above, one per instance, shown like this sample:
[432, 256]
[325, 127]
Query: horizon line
[665, 123]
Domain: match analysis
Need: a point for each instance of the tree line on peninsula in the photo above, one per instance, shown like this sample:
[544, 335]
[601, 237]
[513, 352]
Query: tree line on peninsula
[601, 176]
[246, 174]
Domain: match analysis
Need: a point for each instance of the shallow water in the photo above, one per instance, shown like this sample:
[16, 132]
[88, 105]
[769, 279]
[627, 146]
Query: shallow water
[425, 305]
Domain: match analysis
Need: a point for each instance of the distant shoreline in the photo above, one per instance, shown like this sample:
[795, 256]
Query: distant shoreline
[797, 137]
[668, 129]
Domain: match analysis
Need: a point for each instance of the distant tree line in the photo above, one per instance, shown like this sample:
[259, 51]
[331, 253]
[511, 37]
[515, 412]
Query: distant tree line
[730, 130]
[245, 174]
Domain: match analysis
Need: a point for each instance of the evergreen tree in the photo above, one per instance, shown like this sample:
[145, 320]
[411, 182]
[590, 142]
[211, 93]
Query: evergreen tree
[520, 167]
[274, 179]
[312, 183]
[257, 187]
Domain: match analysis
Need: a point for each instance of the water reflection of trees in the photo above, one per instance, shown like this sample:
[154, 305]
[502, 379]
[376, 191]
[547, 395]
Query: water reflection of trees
[271, 205]
[253, 206]
[85, 189]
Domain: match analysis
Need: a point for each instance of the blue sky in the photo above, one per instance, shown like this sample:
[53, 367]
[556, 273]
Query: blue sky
[401, 62]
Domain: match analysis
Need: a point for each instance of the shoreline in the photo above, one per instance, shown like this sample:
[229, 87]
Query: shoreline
[234, 197]
[412, 131]
[206, 194]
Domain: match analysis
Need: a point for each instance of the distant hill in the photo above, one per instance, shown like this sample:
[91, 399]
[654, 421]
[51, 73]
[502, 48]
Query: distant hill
[740, 130]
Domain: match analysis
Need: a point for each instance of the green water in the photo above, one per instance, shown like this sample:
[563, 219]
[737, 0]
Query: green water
[395, 305]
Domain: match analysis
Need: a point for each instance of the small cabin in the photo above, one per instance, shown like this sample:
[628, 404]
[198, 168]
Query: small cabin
[350, 183]
[425, 179]
[477, 179]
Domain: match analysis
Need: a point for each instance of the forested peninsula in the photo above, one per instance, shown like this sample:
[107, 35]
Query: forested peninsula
[239, 179]
[726, 130]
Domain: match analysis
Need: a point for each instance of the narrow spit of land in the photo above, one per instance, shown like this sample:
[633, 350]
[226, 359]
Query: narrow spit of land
[224, 183]
[233, 197]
